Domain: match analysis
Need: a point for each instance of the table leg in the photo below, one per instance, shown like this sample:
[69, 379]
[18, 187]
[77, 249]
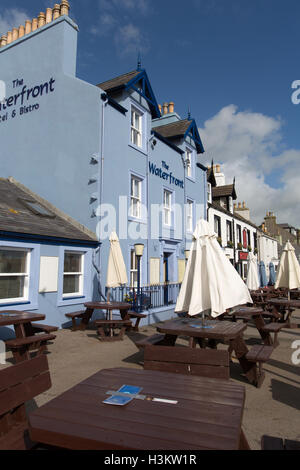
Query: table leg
[85, 319]
[239, 346]
[265, 336]
[243, 442]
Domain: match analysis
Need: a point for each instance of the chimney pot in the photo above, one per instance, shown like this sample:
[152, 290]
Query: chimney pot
[21, 31]
[34, 24]
[48, 15]
[244, 205]
[240, 205]
[160, 108]
[3, 40]
[9, 37]
[218, 168]
[15, 34]
[171, 107]
[64, 7]
[27, 26]
[165, 108]
[56, 11]
[41, 19]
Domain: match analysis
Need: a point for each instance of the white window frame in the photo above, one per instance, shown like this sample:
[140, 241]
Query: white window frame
[137, 198]
[167, 209]
[80, 274]
[189, 215]
[136, 131]
[26, 276]
[133, 270]
[190, 157]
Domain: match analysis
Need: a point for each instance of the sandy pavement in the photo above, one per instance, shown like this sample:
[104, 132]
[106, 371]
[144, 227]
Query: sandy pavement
[273, 409]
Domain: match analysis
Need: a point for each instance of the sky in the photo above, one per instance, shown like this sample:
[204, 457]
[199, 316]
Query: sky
[232, 62]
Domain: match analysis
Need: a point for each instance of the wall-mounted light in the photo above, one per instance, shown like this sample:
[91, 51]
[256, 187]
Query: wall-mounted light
[94, 159]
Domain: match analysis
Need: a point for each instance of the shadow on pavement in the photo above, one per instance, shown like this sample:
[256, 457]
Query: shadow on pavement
[286, 393]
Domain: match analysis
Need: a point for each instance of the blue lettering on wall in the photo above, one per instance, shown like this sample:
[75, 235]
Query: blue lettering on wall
[20, 99]
[167, 176]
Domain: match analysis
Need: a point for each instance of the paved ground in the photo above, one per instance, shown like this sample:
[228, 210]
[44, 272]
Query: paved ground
[273, 409]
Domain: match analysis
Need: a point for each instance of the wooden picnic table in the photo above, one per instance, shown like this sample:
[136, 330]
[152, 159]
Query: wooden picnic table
[221, 332]
[21, 321]
[284, 308]
[26, 337]
[257, 314]
[208, 414]
[123, 308]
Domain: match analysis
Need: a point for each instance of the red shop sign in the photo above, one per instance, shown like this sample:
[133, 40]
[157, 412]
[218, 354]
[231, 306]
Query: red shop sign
[243, 256]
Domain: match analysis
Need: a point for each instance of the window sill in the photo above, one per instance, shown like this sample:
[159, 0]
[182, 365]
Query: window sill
[78, 300]
[191, 178]
[139, 149]
[136, 220]
[22, 306]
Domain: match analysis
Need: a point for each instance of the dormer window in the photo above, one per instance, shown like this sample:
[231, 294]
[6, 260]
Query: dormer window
[136, 127]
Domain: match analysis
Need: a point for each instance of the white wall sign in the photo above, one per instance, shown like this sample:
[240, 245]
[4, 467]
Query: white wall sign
[48, 274]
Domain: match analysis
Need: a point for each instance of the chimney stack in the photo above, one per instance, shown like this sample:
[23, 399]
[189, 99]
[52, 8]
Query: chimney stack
[31, 26]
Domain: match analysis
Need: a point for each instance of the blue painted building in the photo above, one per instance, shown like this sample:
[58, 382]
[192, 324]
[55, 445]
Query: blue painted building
[105, 155]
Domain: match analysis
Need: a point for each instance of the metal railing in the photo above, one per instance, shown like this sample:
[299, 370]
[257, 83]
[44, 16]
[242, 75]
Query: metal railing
[155, 296]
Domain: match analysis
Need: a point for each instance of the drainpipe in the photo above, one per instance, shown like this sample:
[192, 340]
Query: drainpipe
[104, 99]
[184, 202]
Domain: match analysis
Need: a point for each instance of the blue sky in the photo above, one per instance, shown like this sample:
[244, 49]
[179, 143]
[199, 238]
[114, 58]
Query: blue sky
[231, 61]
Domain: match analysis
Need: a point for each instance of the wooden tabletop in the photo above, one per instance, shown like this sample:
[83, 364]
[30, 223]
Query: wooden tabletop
[14, 317]
[253, 311]
[108, 305]
[285, 302]
[223, 330]
[208, 414]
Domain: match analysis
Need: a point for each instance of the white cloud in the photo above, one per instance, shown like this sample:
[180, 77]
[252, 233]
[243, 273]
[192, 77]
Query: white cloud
[129, 39]
[12, 18]
[248, 145]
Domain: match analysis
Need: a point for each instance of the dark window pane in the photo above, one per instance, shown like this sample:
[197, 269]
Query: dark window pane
[11, 287]
[72, 263]
[12, 261]
[71, 285]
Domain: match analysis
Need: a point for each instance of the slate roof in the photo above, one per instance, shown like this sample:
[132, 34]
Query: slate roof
[118, 82]
[18, 216]
[224, 191]
[173, 130]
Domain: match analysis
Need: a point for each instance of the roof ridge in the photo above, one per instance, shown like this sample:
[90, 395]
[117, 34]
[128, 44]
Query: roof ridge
[52, 208]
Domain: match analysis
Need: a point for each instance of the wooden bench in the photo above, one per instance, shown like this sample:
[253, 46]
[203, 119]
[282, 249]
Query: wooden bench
[131, 314]
[73, 316]
[19, 384]
[274, 328]
[21, 346]
[202, 362]
[157, 339]
[41, 328]
[276, 443]
[106, 329]
[259, 354]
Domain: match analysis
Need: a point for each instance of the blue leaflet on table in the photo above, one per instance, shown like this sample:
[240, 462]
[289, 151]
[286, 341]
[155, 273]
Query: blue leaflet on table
[130, 389]
[118, 400]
